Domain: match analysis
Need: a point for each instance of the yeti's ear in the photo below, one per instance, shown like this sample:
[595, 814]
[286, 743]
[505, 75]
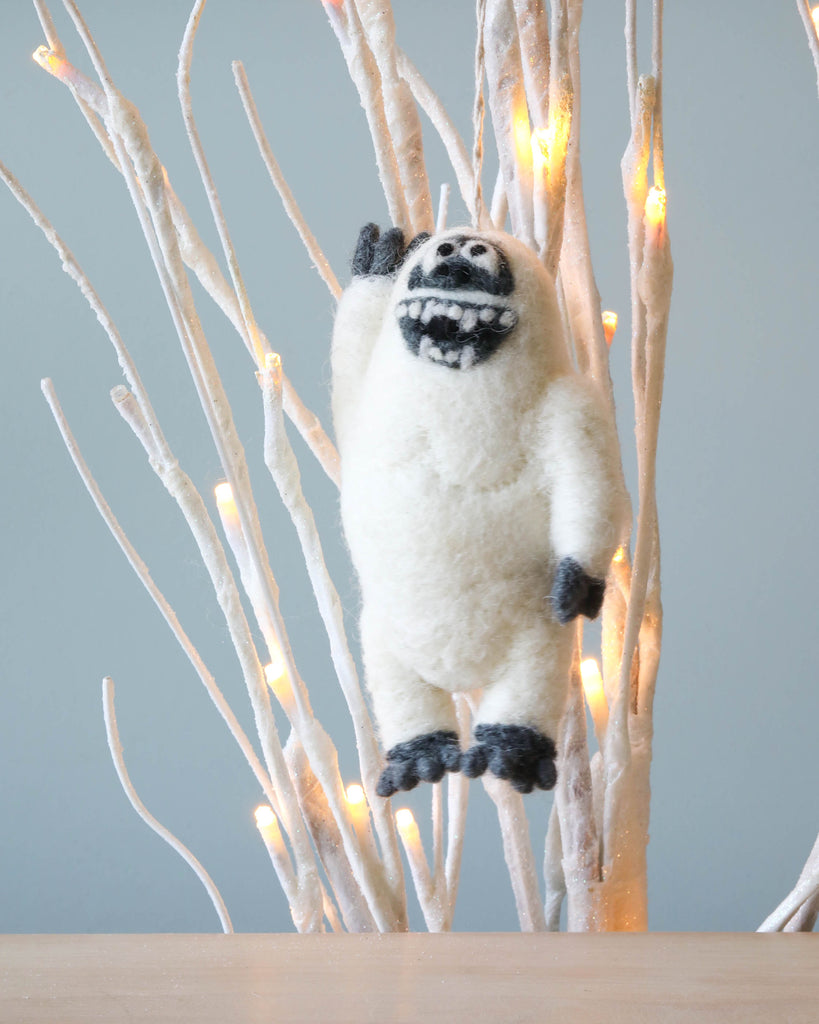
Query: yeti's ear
[378, 255]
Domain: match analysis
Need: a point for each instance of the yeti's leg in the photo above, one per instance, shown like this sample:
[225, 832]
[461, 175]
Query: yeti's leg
[416, 721]
[518, 718]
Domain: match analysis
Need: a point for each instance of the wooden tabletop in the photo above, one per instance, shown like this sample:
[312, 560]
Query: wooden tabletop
[668, 978]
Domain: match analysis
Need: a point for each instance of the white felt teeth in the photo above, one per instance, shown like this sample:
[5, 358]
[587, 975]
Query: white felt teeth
[467, 318]
[507, 318]
[427, 350]
[467, 357]
[470, 320]
[464, 357]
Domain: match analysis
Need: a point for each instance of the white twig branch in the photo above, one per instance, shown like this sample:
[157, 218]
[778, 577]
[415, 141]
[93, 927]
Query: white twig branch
[558, 133]
[281, 461]
[579, 843]
[144, 576]
[280, 859]
[94, 104]
[658, 157]
[367, 80]
[576, 271]
[533, 32]
[631, 57]
[433, 905]
[150, 200]
[438, 872]
[812, 30]
[183, 73]
[500, 204]
[553, 876]
[443, 208]
[291, 208]
[401, 112]
[803, 892]
[49, 30]
[517, 850]
[76, 273]
[328, 841]
[456, 150]
[457, 802]
[308, 909]
[115, 747]
[510, 117]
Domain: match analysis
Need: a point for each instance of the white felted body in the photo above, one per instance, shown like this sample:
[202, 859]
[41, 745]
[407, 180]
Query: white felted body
[462, 489]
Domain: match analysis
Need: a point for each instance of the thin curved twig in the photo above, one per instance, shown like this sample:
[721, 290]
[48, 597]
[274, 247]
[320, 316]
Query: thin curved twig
[803, 892]
[115, 747]
[432, 106]
[812, 30]
[291, 207]
[255, 341]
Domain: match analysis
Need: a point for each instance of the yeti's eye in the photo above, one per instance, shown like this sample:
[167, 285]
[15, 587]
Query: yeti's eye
[446, 249]
[481, 255]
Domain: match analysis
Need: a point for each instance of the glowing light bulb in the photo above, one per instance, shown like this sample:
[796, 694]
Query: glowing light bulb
[274, 671]
[272, 372]
[404, 819]
[359, 811]
[523, 137]
[655, 214]
[268, 825]
[655, 204]
[590, 674]
[609, 325]
[619, 555]
[543, 140]
[355, 795]
[815, 15]
[49, 61]
[279, 682]
[595, 696]
[265, 816]
[224, 494]
[549, 143]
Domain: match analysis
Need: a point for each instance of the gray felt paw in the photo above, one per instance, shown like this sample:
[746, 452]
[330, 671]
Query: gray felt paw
[517, 753]
[423, 759]
[378, 255]
[575, 592]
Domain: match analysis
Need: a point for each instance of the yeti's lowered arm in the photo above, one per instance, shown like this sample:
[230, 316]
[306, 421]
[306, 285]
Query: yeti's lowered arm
[589, 503]
[360, 315]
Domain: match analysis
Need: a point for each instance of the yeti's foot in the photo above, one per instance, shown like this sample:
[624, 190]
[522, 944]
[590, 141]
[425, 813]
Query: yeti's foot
[425, 758]
[523, 756]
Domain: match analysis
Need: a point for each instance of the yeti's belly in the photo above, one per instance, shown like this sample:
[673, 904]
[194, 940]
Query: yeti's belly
[449, 568]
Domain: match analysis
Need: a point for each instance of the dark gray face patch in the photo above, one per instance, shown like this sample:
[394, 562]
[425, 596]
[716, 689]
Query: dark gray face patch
[455, 314]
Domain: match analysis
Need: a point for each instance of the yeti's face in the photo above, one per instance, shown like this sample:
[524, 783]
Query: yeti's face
[455, 309]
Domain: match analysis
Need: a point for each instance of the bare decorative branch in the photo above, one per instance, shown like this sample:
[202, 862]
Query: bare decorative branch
[115, 747]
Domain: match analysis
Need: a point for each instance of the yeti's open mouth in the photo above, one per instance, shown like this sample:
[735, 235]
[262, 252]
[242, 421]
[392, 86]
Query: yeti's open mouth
[454, 331]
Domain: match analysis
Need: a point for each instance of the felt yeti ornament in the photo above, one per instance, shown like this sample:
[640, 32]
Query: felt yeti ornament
[481, 499]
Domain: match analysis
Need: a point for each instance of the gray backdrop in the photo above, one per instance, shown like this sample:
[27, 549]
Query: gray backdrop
[735, 794]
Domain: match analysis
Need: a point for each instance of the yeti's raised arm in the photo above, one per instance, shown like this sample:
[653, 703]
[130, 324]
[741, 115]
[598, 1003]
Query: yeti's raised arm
[360, 315]
[589, 503]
